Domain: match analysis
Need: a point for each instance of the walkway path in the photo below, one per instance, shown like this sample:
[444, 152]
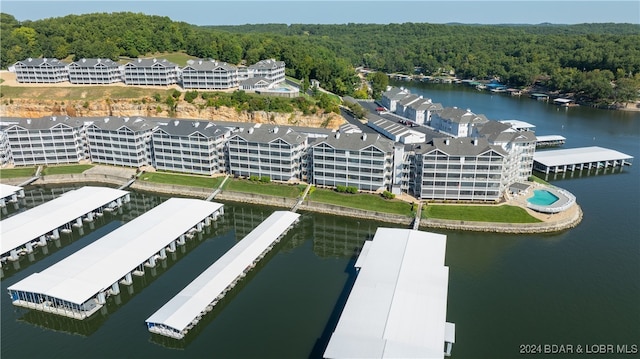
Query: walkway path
[416, 221]
[301, 199]
[218, 190]
[35, 177]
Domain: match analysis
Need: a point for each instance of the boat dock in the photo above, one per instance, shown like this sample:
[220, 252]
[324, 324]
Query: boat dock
[78, 286]
[21, 232]
[186, 309]
[578, 159]
[550, 141]
[10, 194]
[397, 307]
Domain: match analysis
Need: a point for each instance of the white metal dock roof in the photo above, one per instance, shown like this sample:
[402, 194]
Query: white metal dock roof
[398, 305]
[8, 190]
[29, 225]
[578, 155]
[550, 138]
[178, 312]
[97, 266]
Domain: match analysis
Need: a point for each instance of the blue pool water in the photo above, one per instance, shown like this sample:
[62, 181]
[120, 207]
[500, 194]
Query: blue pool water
[542, 198]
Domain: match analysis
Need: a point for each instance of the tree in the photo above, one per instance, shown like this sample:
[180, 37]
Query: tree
[379, 82]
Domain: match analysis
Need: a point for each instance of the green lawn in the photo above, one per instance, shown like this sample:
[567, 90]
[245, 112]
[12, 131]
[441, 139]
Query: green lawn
[538, 180]
[18, 172]
[506, 214]
[182, 180]
[370, 202]
[64, 170]
[271, 189]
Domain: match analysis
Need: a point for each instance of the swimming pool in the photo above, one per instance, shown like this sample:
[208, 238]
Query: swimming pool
[542, 198]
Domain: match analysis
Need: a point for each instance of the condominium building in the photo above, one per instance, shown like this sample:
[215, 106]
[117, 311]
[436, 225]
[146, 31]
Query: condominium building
[391, 97]
[421, 110]
[120, 141]
[189, 146]
[468, 169]
[456, 122]
[270, 69]
[209, 75]
[264, 150]
[361, 160]
[43, 141]
[5, 151]
[94, 71]
[41, 70]
[150, 72]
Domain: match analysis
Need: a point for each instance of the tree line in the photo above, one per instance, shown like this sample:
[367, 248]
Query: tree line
[600, 62]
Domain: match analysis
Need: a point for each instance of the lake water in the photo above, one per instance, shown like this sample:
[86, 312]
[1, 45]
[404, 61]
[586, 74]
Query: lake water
[576, 287]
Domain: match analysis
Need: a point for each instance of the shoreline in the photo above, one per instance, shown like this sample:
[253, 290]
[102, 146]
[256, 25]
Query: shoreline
[550, 223]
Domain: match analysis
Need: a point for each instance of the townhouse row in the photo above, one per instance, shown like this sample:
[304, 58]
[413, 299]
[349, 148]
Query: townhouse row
[468, 168]
[197, 74]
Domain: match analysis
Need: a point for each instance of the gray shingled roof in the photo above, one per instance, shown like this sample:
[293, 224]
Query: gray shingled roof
[114, 123]
[31, 62]
[209, 65]
[463, 146]
[356, 141]
[496, 131]
[426, 104]
[461, 116]
[178, 127]
[254, 80]
[91, 63]
[395, 93]
[267, 64]
[41, 123]
[151, 63]
[267, 134]
[408, 99]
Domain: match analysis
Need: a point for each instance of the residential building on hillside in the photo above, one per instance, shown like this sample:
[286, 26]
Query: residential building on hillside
[209, 75]
[468, 169]
[361, 160]
[456, 122]
[120, 141]
[152, 72]
[391, 97]
[41, 70]
[264, 150]
[404, 103]
[270, 69]
[189, 146]
[44, 141]
[94, 71]
[421, 110]
[5, 150]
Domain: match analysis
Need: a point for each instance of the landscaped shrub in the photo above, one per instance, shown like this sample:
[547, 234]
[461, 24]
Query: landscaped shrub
[265, 179]
[341, 189]
[254, 178]
[388, 195]
[352, 189]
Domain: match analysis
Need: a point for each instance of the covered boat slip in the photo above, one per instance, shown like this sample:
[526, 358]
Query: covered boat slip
[184, 311]
[77, 286]
[550, 140]
[9, 194]
[398, 304]
[578, 158]
[46, 220]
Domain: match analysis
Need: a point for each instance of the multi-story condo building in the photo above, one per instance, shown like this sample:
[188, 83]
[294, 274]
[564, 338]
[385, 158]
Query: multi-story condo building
[391, 97]
[94, 71]
[362, 160]
[421, 110]
[150, 72]
[120, 141]
[264, 150]
[468, 169]
[189, 147]
[456, 122]
[41, 70]
[5, 151]
[404, 103]
[209, 75]
[44, 141]
[270, 69]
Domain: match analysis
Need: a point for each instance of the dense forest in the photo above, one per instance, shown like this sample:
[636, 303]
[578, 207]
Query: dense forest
[598, 62]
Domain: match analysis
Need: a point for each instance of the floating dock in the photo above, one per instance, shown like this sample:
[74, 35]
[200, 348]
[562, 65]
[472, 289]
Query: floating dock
[20, 233]
[550, 141]
[185, 310]
[9, 194]
[398, 304]
[578, 159]
[78, 285]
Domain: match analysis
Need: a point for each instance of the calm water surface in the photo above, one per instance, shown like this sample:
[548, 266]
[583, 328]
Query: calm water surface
[578, 287]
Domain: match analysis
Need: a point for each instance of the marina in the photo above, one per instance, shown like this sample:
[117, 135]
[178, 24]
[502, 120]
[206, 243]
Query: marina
[187, 308]
[578, 159]
[20, 233]
[10, 194]
[550, 141]
[397, 307]
[78, 285]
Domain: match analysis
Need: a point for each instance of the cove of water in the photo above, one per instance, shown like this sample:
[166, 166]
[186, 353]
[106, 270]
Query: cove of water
[577, 287]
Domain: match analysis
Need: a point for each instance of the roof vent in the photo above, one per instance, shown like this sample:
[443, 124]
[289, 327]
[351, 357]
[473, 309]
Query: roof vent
[337, 135]
[139, 60]
[250, 129]
[106, 119]
[364, 136]
[53, 118]
[84, 60]
[446, 141]
[475, 141]
[196, 124]
[28, 121]
[275, 129]
[176, 123]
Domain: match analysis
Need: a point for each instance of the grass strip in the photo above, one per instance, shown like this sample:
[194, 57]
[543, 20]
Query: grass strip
[65, 169]
[17, 172]
[502, 214]
[182, 180]
[365, 201]
[270, 189]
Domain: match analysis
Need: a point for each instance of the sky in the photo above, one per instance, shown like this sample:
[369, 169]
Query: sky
[239, 12]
